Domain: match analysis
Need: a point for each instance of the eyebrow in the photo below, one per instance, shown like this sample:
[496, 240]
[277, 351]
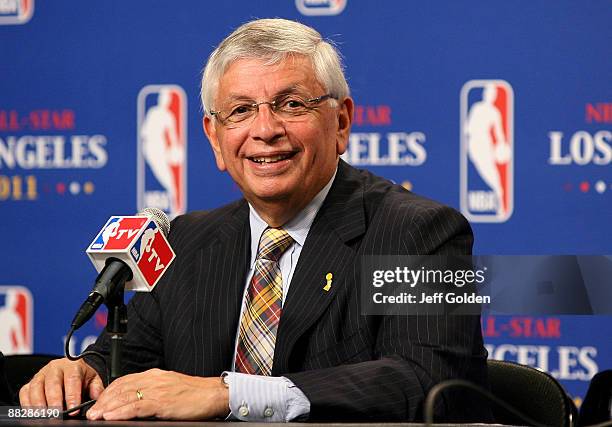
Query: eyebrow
[287, 90]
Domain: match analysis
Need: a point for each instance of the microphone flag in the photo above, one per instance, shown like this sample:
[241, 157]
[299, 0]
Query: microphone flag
[137, 241]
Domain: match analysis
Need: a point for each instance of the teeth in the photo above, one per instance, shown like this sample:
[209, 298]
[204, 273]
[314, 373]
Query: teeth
[271, 159]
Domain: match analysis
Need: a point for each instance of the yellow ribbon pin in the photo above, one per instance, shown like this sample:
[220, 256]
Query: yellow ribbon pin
[328, 278]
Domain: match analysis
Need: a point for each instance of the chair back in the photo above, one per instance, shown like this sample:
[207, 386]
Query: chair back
[531, 391]
[6, 393]
[20, 368]
[597, 404]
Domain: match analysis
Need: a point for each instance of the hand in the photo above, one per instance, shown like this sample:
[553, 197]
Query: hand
[502, 152]
[47, 387]
[162, 394]
[175, 154]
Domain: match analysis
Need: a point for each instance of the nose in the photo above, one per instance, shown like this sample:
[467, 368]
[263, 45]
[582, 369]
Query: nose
[266, 125]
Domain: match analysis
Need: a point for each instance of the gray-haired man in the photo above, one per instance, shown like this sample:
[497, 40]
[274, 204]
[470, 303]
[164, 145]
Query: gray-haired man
[264, 291]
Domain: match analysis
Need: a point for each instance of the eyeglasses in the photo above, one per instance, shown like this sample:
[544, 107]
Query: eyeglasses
[290, 108]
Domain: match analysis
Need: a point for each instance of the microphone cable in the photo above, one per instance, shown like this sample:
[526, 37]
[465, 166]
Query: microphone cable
[74, 359]
[85, 353]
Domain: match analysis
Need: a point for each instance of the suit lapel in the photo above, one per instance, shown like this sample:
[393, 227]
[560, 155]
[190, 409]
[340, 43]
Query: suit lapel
[340, 220]
[223, 264]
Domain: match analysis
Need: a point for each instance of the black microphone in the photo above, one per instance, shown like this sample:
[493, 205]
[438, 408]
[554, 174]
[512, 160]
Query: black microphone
[113, 275]
[129, 251]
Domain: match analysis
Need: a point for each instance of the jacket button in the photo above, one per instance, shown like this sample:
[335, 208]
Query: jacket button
[268, 412]
[243, 411]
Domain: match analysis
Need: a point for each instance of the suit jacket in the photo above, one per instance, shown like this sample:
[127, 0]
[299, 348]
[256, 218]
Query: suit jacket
[350, 366]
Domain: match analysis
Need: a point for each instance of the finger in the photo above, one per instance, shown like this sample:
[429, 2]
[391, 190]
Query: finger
[53, 385]
[138, 409]
[113, 391]
[24, 395]
[130, 382]
[110, 400]
[95, 387]
[37, 391]
[73, 384]
[120, 392]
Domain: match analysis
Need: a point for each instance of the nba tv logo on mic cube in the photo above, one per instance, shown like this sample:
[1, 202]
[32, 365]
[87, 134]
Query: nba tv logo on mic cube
[487, 150]
[162, 149]
[137, 241]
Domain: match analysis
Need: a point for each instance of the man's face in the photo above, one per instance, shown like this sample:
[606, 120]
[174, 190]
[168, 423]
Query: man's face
[272, 159]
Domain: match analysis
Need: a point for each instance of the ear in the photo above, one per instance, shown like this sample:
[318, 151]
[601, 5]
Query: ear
[211, 133]
[345, 119]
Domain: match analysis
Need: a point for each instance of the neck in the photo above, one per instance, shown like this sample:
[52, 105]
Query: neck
[278, 212]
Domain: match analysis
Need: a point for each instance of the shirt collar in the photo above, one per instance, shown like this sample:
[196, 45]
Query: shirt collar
[297, 228]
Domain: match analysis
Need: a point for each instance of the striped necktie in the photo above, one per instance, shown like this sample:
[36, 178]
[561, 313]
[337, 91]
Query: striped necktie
[259, 323]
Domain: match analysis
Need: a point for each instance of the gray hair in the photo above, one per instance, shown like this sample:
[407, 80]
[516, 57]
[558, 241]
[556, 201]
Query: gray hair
[274, 40]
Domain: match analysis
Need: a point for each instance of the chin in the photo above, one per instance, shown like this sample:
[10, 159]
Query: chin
[272, 196]
[276, 190]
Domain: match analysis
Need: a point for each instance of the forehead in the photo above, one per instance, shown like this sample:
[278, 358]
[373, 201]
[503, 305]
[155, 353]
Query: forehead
[253, 78]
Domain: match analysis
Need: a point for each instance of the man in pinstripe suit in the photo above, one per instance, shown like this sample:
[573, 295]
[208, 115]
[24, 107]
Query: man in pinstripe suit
[278, 115]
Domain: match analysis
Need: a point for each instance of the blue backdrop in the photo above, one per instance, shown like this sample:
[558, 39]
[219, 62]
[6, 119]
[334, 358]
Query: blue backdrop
[79, 79]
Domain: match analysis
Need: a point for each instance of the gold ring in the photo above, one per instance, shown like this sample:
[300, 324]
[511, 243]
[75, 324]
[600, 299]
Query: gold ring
[139, 395]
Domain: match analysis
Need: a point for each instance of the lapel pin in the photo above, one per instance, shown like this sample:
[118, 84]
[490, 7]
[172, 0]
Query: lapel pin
[328, 278]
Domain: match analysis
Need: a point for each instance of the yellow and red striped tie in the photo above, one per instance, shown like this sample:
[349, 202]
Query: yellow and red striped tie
[259, 323]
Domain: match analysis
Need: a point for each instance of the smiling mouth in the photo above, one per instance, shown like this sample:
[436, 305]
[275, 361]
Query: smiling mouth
[271, 159]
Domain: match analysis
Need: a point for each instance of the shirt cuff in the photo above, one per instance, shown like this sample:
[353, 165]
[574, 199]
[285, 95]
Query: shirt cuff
[265, 399]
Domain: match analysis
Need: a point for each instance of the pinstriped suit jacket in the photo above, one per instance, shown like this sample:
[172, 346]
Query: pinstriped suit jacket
[348, 365]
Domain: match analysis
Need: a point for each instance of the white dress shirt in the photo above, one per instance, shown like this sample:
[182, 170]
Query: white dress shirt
[264, 398]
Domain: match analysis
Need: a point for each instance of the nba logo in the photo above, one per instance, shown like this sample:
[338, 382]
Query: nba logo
[151, 254]
[320, 7]
[118, 233]
[110, 228]
[162, 149]
[487, 150]
[16, 11]
[16, 321]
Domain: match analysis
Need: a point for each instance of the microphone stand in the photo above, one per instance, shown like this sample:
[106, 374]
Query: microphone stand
[116, 326]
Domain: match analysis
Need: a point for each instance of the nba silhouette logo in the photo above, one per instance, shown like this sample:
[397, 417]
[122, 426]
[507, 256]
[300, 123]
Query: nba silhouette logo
[487, 151]
[104, 235]
[320, 7]
[118, 233]
[16, 321]
[16, 11]
[152, 254]
[162, 149]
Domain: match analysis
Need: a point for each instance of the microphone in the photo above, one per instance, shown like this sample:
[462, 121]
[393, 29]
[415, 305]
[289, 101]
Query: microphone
[130, 252]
